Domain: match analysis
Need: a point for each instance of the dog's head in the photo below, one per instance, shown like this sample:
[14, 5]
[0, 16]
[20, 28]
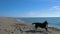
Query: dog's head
[45, 22]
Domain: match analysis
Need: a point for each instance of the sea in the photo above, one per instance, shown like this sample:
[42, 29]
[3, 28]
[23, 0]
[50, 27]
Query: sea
[52, 21]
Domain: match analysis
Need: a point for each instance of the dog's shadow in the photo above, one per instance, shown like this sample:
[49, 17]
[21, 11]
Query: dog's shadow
[34, 31]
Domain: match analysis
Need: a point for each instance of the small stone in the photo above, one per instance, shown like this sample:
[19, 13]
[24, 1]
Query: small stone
[12, 32]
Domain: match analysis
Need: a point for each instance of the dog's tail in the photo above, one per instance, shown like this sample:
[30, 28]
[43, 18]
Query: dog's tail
[33, 23]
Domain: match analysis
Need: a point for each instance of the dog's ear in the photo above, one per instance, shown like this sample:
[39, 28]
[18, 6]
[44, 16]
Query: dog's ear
[45, 21]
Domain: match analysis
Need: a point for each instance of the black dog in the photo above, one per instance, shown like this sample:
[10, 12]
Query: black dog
[41, 25]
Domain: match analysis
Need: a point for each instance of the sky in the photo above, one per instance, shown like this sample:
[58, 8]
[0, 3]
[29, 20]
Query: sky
[29, 8]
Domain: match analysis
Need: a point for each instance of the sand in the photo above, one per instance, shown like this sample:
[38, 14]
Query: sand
[12, 26]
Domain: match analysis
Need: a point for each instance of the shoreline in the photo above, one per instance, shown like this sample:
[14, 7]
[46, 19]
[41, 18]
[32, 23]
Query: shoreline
[30, 23]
